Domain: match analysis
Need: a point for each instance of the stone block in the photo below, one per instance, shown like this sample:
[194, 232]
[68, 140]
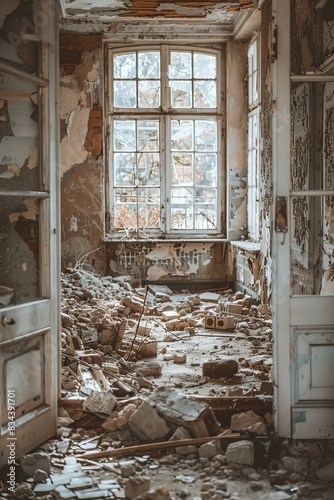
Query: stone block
[101, 403]
[233, 308]
[39, 460]
[179, 358]
[326, 473]
[224, 367]
[146, 424]
[224, 323]
[243, 420]
[210, 321]
[168, 315]
[240, 452]
[136, 486]
[209, 450]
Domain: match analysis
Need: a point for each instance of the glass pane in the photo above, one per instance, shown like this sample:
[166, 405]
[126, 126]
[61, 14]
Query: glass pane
[182, 217]
[125, 208]
[182, 196]
[149, 94]
[148, 65]
[206, 217]
[19, 250]
[148, 135]
[148, 207]
[205, 135]
[182, 168]
[182, 135]
[125, 66]
[205, 94]
[181, 94]
[205, 66]
[125, 169]
[19, 125]
[180, 65]
[125, 94]
[124, 135]
[206, 169]
[148, 169]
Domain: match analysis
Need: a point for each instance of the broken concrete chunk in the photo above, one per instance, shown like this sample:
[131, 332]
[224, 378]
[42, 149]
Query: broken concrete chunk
[39, 460]
[326, 473]
[225, 367]
[209, 450]
[186, 450]
[259, 429]
[40, 476]
[209, 297]
[179, 434]
[136, 486]
[179, 358]
[162, 493]
[101, 403]
[240, 452]
[196, 416]
[146, 424]
[149, 368]
[23, 491]
[169, 315]
[243, 420]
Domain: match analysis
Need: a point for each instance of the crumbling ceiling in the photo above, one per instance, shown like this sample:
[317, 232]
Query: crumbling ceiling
[90, 12]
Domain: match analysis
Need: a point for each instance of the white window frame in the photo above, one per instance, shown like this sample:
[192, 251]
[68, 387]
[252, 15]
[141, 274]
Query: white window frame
[254, 139]
[165, 115]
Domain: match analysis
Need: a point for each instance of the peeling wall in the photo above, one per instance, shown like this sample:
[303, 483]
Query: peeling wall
[237, 139]
[81, 151]
[172, 261]
[265, 279]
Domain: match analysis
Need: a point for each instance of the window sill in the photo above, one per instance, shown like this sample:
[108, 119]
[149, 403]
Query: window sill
[250, 246]
[166, 239]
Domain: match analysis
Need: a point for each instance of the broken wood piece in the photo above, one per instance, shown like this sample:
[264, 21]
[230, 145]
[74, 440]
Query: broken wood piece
[163, 445]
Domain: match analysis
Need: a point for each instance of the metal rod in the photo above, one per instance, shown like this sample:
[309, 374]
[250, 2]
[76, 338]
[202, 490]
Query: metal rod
[25, 194]
[20, 73]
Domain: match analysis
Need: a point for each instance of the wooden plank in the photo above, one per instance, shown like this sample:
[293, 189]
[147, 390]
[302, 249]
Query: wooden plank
[164, 445]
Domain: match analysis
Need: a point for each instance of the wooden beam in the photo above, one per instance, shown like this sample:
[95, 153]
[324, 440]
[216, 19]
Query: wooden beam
[164, 445]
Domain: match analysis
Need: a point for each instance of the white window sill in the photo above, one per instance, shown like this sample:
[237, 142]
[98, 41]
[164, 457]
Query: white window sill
[250, 246]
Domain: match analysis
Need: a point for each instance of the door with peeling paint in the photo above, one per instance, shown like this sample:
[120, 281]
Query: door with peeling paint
[303, 241]
[28, 227]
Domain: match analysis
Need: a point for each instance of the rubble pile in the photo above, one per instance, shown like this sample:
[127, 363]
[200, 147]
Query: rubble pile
[124, 428]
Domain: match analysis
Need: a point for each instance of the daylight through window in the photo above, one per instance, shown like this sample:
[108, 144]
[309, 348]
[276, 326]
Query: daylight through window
[165, 116]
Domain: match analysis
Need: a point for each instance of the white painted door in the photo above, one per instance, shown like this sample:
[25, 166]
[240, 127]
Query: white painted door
[29, 270]
[303, 238]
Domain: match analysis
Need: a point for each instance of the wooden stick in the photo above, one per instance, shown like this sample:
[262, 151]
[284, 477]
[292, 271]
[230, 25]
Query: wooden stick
[164, 445]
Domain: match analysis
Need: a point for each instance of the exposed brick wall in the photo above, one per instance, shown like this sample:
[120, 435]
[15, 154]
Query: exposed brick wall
[93, 142]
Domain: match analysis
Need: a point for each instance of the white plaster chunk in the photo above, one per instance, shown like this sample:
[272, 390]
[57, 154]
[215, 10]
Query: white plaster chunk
[100, 402]
[72, 149]
[155, 272]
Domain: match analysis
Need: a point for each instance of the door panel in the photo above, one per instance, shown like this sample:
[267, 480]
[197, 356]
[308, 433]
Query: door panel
[29, 206]
[303, 293]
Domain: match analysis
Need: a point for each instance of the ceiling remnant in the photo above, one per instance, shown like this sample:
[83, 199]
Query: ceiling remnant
[100, 13]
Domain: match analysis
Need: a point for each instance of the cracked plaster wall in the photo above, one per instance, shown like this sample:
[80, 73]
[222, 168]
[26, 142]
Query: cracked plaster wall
[81, 151]
[237, 139]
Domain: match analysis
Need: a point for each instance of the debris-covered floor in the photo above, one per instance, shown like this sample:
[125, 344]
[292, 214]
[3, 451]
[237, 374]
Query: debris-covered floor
[167, 395]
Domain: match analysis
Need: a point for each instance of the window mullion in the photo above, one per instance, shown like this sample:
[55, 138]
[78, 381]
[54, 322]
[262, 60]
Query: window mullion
[164, 78]
[166, 181]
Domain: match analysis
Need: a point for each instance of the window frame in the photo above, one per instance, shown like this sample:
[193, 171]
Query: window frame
[254, 109]
[165, 114]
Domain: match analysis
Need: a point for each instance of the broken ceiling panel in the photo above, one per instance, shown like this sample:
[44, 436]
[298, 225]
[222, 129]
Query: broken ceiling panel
[96, 16]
